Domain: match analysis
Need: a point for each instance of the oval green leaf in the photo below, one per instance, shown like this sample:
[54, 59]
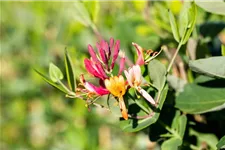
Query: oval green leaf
[55, 73]
[202, 97]
[174, 27]
[213, 66]
[157, 74]
[215, 7]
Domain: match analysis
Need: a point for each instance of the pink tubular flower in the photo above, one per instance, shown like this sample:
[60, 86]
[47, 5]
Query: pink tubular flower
[92, 89]
[99, 64]
[140, 61]
[134, 79]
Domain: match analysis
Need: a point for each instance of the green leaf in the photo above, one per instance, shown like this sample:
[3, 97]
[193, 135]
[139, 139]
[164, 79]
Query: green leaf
[171, 144]
[133, 125]
[202, 96]
[209, 139]
[157, 73]
[187, 22]
[215, 7]
[213, 66]
[50, 82]
[223, 50]
[179, 124]
[176, 83]
[93, 8]
[221, 143]
[174, 27]
[55, 73]
[81, 14]
[69, 71]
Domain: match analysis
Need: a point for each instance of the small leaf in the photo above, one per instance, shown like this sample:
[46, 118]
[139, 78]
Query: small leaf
[174, 27]
[209, 139]
[192, 15]
[215, 7]
[51, 83]
[157, 73]
[223, 50]
[221, 143]
[202, 96]
[55, 73]
[176, 83]
[213, 66]
[171, 144]
[133, 125]
[69, 71]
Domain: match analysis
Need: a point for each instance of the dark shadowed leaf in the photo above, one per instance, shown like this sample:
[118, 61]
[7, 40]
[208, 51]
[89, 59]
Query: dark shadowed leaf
[213, 66]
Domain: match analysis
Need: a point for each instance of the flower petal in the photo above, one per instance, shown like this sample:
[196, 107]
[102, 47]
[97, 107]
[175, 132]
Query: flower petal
[137, 74]
[89, 67]
[94, 69]
[128, 76]
[139, 49]
[122, 64]
[146, 95]
[115, 53]
[123, 108]
[93, 54]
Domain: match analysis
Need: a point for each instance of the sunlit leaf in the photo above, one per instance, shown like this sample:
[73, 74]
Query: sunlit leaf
[187, 21]
[55, 73]
[209, 139]
[202, 96]
[69, 71]
[223, 50]
[157, 73]
[174, 27]
[171, 144]
[215, 7]
[49, 81]
[213, 66]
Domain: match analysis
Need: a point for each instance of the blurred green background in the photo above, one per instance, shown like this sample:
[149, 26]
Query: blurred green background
[36, 116]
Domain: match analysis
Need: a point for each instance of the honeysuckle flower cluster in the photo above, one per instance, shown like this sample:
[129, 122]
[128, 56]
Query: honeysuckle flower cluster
[101, 65]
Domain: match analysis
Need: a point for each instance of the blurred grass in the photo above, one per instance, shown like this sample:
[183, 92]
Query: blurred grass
[33, 34]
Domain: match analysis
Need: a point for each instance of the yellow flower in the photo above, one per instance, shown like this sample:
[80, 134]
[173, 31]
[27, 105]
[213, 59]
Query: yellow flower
[116, 86]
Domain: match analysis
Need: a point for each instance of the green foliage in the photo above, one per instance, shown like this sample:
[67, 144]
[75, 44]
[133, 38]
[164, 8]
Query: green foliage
[176, 134]
[36, 116]
[174, 27]
[217, 8]
[198, 97]
[55, 73]
[69, 71]
[221, 143]
[213, 66]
